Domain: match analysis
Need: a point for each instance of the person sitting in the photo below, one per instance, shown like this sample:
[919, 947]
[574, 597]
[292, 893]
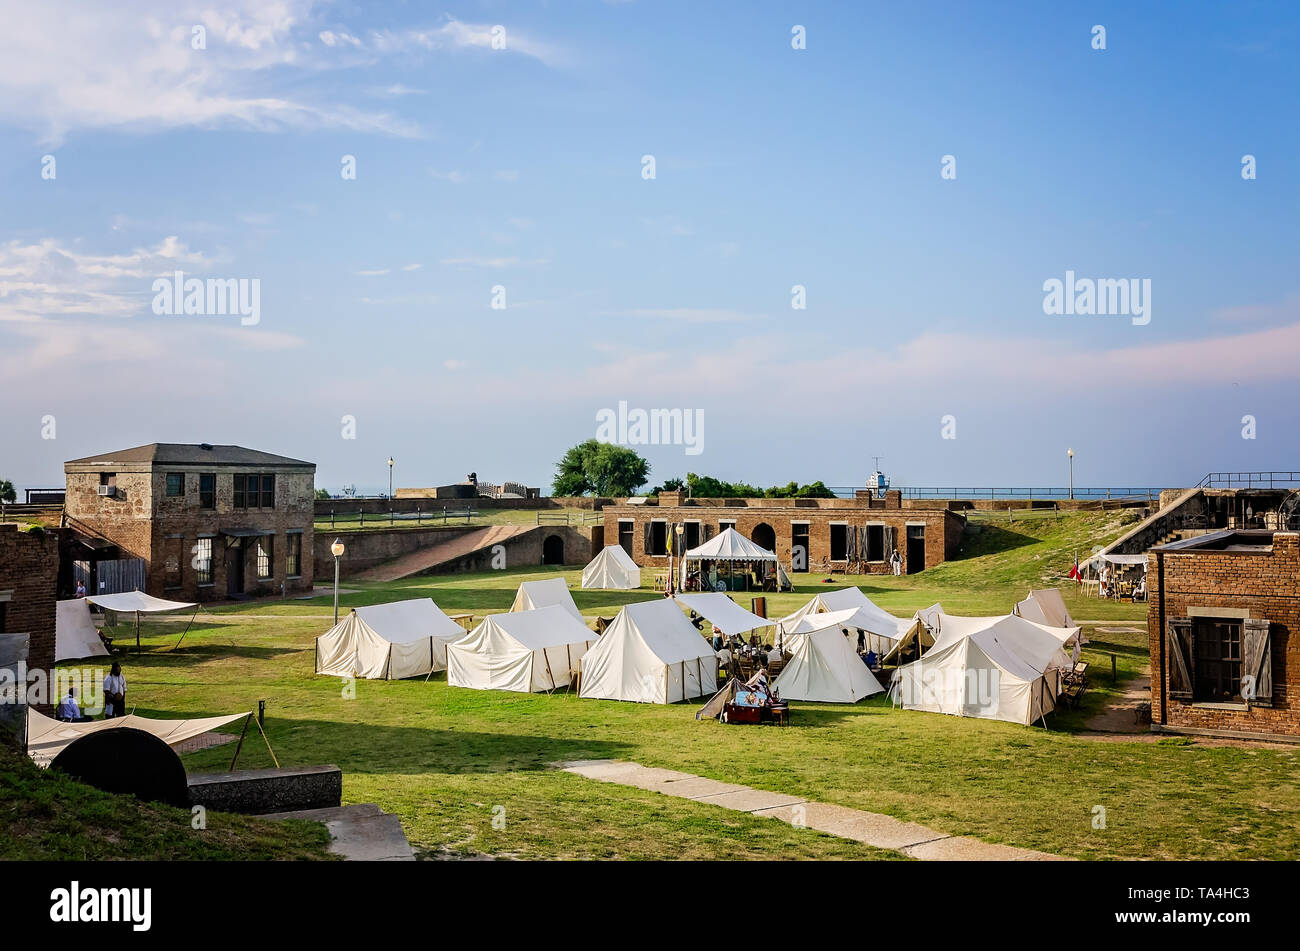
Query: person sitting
[68, 710]
[1140, 592]
[871, 659]
[718, 639]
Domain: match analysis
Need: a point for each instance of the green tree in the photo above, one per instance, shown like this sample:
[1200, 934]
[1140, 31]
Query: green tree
[7, 493]
[599, 468]
[322, 493]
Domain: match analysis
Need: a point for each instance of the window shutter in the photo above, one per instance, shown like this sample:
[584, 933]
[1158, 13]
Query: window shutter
[1178, 634]
[646, 529]
[1257, 661]
[889, 542]
[708, 530]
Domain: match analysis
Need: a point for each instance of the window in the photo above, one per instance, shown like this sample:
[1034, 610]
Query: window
[626, 528]
[268, 492]
[240, 502]
[692, 535]
[875, 543]
[108, 478]
[799, 542]
[1218, 660]
[208, 490]
[656, 538]
[724, 524]
[254, 491]
[839, 542]
[264, 557]
[203, 561]
[173, 546]
[175, 484]
[293, 555]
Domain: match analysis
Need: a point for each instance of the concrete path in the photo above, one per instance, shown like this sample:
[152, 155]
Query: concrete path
[870, 828]
[434, 555]
[361, 833]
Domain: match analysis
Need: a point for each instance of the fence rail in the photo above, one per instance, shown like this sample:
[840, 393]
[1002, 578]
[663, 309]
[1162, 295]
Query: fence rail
[1250, 480]
[440, 516]
[1055, 493]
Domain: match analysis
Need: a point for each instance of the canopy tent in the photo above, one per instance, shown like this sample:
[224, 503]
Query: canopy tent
[47, 738]
[138, 602]
[525, 651]
[75, 635]
[1140, 559]
[544, 593]
[881, 627]
[612, 568]
[650, 654]
[725, 614]
[729, 545]
[822, 665]
[998, 668]
[390, 641]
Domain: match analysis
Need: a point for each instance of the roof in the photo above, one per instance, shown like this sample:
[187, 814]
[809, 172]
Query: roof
[188, 454]
[730, 545]
[1247, 540]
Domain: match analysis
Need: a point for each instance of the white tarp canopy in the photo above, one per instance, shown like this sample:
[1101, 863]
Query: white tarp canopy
[882, 628]
[726, 615]
[650, 654]
[46, 737]
[526, 651]
[544, 593]
[729, 545]
[388, 641]
[136, 601]
[75, 635]
[823, 666]
[1119, 559]
[612, 568]
[996, 668]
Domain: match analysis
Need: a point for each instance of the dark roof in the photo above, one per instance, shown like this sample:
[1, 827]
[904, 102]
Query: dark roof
[1228, 539]
[190, 454]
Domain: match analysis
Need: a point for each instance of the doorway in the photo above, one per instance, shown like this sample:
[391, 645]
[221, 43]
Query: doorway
[235, 569]
[553, 550]
[915, 549]
[764, 536]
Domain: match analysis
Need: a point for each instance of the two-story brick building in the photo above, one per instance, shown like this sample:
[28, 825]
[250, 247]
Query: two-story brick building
[1222, 611]
[209, 522]
[806, 534]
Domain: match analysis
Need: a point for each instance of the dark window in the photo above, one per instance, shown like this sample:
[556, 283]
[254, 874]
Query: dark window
[203, 561]
[724, 525]
[264, 557]
[658, 538]
[207, 490]
[239, 492]
[108, 478]
[692, 535]
[626, 530]
[1218, 660]
[3, 607]
[293, 555]
[839, 542]
[172, 548]
[875, 543]
[175, 484]
[268, 491]
[799, 539]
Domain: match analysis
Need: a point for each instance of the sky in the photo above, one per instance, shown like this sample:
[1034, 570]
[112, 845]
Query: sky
[920, 170]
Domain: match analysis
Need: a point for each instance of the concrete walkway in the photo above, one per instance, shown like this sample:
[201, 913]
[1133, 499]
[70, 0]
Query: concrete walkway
[884, 832]
[361, 833]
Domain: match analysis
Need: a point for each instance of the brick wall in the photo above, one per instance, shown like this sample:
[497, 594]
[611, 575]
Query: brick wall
[1267, 584]
[29, 571]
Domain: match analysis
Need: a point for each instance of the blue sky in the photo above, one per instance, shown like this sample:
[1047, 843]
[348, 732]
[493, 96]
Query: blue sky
[521, 167]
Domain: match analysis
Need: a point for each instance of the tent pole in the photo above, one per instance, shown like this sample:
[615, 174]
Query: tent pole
[187, 627]
[137, 632]
[264, 740]
[240, 745]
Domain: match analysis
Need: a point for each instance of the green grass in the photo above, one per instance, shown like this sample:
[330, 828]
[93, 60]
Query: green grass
[442, 758]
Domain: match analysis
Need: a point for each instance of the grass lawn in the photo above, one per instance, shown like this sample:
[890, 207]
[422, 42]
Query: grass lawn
[444, 758]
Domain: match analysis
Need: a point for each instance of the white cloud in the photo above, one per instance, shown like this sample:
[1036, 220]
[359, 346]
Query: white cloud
[454, 177]
[375, 272]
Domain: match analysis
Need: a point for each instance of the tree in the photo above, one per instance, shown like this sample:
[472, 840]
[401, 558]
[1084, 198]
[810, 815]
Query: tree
[599, 468]
[7, 493]
[322, 493]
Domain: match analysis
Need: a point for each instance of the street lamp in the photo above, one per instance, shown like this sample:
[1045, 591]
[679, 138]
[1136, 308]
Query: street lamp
[1070, 453]
[337, 550]
[390, 478]
[681, 530]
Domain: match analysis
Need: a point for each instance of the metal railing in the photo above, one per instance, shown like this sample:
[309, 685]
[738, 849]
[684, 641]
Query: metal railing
[1250, 480]
[1058, 493]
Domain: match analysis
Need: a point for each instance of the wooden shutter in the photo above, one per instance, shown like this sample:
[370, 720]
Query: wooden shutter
[708, 530]
[646, 530]
[1257, 660]
[1178, 635]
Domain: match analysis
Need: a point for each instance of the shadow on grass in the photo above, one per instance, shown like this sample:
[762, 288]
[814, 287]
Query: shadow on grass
[993, 540]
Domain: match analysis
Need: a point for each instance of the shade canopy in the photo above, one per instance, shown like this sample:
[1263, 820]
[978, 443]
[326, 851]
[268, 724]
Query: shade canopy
[729, 545]
[525, 651]
[75, 635]
[823, 666]
[1118, 559]
[612, 568]
[388, 641]
[129, 601]
[544, 593]
[649, 654]
[46, 737]
[726, 615]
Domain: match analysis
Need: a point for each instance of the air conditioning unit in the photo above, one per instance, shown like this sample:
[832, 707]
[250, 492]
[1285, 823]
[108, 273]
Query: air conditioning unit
[108, 490]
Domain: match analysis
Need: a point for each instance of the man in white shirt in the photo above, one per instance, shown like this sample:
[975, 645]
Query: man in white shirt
[68, 708]
[114, 693]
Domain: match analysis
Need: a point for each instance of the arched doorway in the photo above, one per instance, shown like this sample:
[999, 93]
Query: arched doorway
[764, 536]
[553, 550]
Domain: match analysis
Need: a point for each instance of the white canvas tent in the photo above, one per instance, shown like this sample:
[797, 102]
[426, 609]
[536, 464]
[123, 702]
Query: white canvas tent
[730, 547]
[75, 635]
[526, 651]
[725, 614]
[47, 737]
[1046, 606]
[882, 628]
[823, 665]
[137, 603]
[390, 641]
[613, 568]
[544, 593]
[649, 654]
[998, 668]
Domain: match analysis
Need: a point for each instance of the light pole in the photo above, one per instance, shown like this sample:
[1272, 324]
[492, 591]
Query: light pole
[681, 529]
[1070, 453]
[337, 549]
[390, 479]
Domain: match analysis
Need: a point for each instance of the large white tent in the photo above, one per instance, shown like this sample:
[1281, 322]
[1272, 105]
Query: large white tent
[725, 614]
[544, 593]
[613, 568]
[998, 668]
[390, 641]
[823, 666]
[881, 627]
[47, 737]
[75, 635]
[526, 651]
[650, 654]
[729, 545]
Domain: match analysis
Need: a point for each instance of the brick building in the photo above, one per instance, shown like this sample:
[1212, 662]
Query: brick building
[209, 522]
[29, 568]
[1222, 610]
[832, 532]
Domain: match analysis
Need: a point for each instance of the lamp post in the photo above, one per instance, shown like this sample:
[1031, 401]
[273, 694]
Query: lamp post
[1070, 453]
[337, 549]
[390, 480]
[680, 529]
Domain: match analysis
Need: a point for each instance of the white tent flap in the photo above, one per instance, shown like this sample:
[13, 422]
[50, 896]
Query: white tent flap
[75, 635]
[726, 615]
[131, 601]
[823, 666]
[47, 738]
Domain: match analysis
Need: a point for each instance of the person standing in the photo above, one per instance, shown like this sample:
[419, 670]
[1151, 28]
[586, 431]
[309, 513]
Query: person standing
[114, 693]
[896, 562]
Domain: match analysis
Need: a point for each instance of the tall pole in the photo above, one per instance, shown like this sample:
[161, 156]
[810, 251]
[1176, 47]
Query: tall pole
[1070, 453]
[390, 479]
[336, 589]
